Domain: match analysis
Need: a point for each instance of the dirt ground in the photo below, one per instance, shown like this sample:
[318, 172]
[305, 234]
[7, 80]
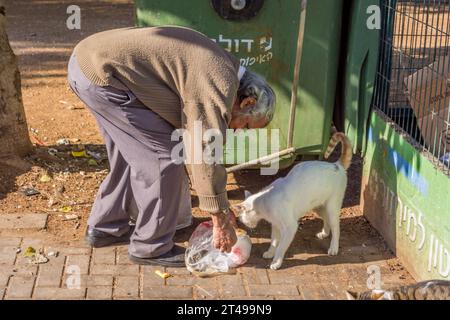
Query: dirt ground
[43, 44]
[41, 40]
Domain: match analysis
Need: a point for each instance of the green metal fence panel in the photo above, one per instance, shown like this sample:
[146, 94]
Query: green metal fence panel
[266, 41]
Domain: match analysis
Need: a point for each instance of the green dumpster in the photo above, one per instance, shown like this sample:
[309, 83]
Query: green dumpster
[294, 44]
[361, 60]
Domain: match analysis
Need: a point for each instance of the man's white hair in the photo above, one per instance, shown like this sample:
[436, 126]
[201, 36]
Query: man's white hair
[255, 86]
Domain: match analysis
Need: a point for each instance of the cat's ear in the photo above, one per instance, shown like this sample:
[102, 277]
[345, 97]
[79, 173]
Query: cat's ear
[247, 194]
[351, 295]
[238, 209]
[377, 294]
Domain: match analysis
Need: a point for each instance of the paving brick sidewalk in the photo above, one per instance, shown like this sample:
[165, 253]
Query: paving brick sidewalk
[106, 273]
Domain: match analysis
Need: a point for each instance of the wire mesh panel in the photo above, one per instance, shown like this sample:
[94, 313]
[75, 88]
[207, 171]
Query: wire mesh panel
[413, 80]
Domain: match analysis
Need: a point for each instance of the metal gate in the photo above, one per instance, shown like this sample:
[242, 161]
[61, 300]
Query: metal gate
[413, 87]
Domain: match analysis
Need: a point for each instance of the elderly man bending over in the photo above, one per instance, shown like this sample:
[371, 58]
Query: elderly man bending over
[141, 84]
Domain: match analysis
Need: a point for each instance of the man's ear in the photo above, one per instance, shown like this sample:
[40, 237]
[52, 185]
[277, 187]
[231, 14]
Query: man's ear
[246, 102]
[351, 295]
[238, 209]
[247, 194]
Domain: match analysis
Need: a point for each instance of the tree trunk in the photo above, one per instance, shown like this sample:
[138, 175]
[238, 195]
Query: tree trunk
[14, 138]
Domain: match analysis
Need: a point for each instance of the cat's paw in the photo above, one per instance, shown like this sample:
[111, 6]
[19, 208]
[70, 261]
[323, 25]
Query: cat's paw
[268, 254]
[276, 265]
[322, 235]
[333, 251]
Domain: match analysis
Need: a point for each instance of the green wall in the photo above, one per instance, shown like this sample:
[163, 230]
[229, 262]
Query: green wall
[408, 201]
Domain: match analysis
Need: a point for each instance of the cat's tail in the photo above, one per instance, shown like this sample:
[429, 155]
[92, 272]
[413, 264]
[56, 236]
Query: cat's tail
[346, 151]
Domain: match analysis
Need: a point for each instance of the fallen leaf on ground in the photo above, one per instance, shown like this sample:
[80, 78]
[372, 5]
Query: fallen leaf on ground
[45, 178]
[65, 209]
[29, 253]
[80, 154]
[163, 275]
[92, 162]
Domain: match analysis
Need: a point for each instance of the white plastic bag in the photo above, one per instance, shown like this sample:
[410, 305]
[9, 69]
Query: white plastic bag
[202, 259]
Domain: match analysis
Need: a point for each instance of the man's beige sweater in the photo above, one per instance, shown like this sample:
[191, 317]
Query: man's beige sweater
[178, 73]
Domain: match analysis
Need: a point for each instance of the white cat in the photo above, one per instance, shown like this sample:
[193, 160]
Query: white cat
[311, 185]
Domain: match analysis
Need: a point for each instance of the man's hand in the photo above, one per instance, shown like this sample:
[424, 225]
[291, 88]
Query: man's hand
[224, 235]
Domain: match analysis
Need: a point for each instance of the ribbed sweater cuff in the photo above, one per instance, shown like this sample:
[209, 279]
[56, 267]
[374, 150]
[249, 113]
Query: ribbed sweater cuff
[214, 204]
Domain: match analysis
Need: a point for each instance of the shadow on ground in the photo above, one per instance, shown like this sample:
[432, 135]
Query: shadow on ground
[359, 243]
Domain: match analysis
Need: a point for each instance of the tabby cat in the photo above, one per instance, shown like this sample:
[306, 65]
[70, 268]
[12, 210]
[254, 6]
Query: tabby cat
[426, 290]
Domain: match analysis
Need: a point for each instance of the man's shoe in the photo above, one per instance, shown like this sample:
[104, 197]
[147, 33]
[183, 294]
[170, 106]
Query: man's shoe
[99, 239]
[173, 258]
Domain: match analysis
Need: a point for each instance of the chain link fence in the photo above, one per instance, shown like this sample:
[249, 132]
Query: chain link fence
[413, 86]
